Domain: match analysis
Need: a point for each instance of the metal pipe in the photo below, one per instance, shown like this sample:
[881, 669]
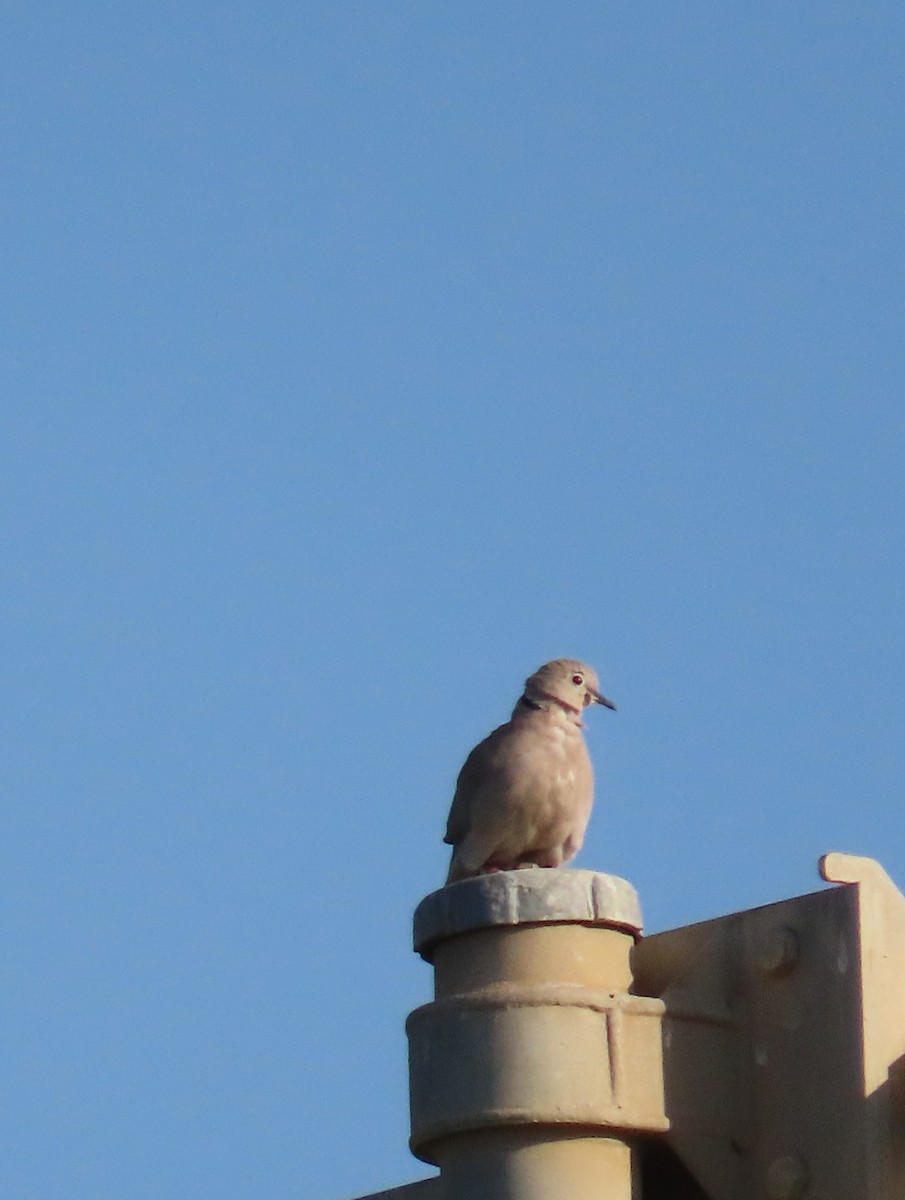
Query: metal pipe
[534, 1069]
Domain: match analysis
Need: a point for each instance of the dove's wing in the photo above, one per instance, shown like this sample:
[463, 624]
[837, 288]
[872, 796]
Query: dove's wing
[472, 778]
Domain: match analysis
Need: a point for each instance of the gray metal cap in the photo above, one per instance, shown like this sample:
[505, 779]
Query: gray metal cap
[543, 896]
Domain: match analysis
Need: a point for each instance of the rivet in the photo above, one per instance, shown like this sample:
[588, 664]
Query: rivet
[777, 952]
[787, 1178]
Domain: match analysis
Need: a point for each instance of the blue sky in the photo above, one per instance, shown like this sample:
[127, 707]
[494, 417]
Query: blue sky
[358, 359]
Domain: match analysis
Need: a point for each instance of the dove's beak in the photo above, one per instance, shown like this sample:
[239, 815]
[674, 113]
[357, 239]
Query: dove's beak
[603, 700]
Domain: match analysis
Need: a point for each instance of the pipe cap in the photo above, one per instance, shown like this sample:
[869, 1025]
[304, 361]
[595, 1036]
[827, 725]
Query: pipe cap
[543, 896]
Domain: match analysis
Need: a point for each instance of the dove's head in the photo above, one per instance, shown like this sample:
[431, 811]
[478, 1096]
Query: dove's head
[567, 682]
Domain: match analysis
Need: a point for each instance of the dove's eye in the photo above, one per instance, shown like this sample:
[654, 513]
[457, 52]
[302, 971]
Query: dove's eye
[577, 680]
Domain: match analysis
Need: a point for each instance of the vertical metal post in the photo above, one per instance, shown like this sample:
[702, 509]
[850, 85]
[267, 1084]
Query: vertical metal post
[534, 1068]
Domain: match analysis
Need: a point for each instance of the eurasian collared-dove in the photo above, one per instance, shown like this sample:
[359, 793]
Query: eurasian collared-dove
[524, 794]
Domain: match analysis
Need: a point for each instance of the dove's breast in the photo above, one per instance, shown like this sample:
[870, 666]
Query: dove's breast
[547, 785]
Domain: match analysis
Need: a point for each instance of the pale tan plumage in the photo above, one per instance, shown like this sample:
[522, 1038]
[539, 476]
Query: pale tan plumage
[524, 794]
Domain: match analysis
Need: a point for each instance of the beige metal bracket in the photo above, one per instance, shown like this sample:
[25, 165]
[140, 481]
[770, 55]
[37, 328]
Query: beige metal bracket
[784, 1042]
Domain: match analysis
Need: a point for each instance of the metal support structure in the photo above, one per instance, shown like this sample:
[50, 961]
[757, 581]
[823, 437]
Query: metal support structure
[783, 1041]
[758, 1056]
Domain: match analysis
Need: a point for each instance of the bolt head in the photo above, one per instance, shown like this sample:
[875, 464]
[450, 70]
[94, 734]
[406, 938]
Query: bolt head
[787, 1178]
[777, 952]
